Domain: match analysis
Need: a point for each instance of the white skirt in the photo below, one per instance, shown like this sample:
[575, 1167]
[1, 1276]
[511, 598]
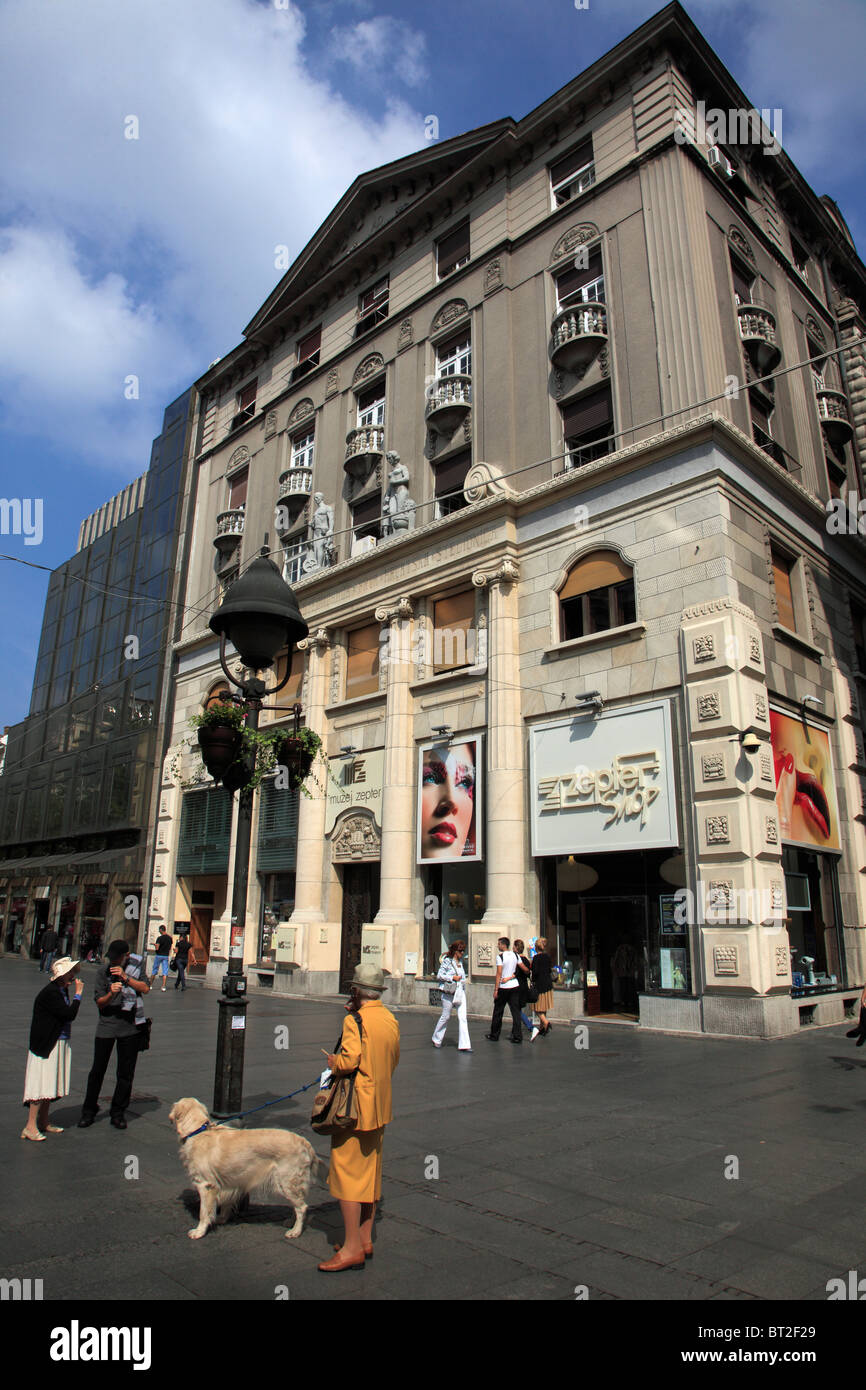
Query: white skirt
[47, 1078]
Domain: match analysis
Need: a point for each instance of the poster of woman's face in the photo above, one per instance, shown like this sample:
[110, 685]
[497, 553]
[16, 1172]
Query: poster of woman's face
[449, 801]
[805, 790]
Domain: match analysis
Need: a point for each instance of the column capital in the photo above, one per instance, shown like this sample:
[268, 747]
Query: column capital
[319, 640]
[393, 613]
[506, 572]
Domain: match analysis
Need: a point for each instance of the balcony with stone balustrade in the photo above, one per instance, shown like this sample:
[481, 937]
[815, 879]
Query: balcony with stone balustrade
[758, 334]
[449, 401]
[229, 530]
[577, 335]
[364, 449]
[834, 417]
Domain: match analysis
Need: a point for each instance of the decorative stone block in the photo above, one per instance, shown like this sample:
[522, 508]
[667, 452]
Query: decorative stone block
[717, 829]
[726, 960]
[771, 830]
[782, 959]
[704, 648]
[712, 767]
[709, 706]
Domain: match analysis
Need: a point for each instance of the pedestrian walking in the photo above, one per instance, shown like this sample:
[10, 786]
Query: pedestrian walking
[49, 1060]
[543, 980]
[184, 955]
[49, 948]
[355, 1177]
[115, 992]
[162, 950]
[505, 991]
[452, 977]
[522, 976]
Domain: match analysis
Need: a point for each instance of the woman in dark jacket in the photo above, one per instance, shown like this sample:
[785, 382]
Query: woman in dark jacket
[49, 1060]
[541, 978]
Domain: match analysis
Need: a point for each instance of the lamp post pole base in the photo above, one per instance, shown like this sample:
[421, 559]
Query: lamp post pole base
[229, 1078]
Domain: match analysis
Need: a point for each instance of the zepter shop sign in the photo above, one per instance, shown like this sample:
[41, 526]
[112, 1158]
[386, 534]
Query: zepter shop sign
[604, 783]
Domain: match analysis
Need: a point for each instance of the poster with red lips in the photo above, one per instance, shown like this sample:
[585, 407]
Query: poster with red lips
[805, 789]
[449, 800]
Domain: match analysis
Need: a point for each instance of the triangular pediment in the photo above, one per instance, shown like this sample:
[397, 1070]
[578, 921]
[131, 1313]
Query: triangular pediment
[375, 203]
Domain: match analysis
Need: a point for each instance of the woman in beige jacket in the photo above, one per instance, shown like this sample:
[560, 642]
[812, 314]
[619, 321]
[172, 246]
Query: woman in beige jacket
[355, 1177]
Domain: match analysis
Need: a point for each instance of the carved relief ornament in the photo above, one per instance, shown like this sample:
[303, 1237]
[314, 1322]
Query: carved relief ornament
[372, 364]
[356, 839]
[507, 572]
[574, 237]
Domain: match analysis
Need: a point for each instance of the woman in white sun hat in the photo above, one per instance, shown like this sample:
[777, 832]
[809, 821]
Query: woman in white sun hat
[49, 1060]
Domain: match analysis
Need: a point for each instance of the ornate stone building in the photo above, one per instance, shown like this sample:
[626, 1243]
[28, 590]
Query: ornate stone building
[543, 427]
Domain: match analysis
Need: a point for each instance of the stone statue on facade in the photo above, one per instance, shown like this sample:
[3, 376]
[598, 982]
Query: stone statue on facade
[321, 535]
[398, 509]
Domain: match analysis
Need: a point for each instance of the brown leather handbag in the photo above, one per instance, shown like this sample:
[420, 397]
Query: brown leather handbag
[335, 1107]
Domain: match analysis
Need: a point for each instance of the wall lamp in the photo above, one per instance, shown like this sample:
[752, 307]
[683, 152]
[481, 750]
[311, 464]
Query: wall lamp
[812, 700]
[348, 750]
[443, 732]
[592, 698]
[748, 741]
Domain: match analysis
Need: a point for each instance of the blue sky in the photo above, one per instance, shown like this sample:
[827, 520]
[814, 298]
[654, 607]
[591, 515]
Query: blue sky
[146, 257]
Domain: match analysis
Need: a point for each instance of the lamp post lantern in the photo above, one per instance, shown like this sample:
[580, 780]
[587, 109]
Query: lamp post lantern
[259, 617]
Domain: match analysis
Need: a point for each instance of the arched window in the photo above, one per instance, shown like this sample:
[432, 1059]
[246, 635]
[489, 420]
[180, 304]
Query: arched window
[218, 694]
[598, 594]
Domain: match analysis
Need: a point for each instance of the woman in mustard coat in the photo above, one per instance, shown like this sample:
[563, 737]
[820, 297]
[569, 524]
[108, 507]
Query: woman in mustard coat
[355, 1177]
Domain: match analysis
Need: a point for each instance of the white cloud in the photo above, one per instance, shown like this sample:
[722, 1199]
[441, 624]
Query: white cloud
[157, 250]
[375, 47]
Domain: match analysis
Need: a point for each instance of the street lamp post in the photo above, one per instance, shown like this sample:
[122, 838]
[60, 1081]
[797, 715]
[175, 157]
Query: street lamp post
[259, 617]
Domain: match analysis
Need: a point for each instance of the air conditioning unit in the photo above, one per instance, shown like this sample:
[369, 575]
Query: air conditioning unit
[719, 162]
[360, 547]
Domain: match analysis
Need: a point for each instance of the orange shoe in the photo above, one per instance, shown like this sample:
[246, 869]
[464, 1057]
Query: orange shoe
[368, 1251]
[335, 1265]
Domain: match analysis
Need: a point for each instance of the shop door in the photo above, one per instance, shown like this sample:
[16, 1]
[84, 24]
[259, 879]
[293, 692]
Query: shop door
[200, 919]
[360, 905]
[40, 922]
[614, 949]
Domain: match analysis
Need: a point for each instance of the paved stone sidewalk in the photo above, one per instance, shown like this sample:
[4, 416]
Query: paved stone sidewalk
[557, 1167]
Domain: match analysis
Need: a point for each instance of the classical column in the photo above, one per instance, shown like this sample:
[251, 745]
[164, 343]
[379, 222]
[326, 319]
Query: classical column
[398, 814]
[311, 812]
[505, 851]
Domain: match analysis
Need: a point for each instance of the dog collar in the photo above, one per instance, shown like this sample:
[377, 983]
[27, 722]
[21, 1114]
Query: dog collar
[200, 1130]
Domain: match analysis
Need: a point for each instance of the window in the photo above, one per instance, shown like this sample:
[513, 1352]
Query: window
[246, 405]
[309, 352]
[449, 481]
[291, 691]
[761, 430]
[371, 406]
[302, 450]
[455, 356]
[783, 570]
[226, 582]
[372, 307]
[366, 519]
[362, 665]
[799, 255]
[218, 695]
[238, 490]
[581, 286]
[744, 280]
[293, 561]
[454, 631]
[597, 595]
[587, 424]
[817, 367]
[452, 251]
[573, 174]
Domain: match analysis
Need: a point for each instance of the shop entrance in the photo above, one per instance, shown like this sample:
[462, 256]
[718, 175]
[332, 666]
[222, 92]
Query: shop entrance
[40, 923]
[200, 919]
[614, 949]
[360, 905]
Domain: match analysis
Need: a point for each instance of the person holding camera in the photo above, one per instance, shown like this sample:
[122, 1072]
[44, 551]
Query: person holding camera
[114, 992]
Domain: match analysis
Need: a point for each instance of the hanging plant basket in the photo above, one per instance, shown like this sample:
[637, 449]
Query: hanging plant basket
[220, 745]
[296, 753]
[239, 773]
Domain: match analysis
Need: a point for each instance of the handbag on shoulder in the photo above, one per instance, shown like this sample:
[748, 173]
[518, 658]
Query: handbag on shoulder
[335, 1107]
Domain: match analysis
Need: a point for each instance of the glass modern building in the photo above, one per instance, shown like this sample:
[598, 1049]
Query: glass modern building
[75, 795]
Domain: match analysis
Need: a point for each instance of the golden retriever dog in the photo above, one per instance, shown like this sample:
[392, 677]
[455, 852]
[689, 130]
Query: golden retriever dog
[226, 1163]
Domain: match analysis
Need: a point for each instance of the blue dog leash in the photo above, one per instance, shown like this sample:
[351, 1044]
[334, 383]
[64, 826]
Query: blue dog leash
[241, 1113]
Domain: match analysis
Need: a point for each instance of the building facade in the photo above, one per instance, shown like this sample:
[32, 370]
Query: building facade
[545, 427]
[76, 787]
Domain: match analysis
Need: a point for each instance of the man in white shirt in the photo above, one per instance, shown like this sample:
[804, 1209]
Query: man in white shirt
[505, 991]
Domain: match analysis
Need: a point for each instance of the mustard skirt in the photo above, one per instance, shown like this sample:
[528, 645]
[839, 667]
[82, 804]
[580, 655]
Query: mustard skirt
[356, 1165]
